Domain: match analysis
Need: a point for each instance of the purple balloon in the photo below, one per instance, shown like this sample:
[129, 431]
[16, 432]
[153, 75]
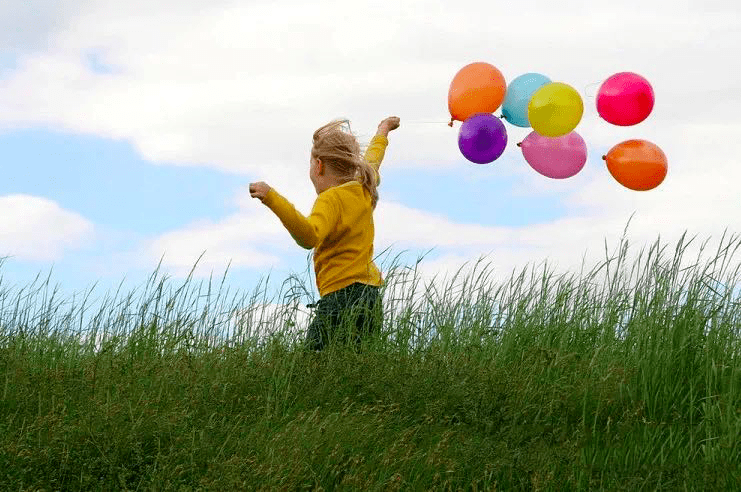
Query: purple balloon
[482, 138]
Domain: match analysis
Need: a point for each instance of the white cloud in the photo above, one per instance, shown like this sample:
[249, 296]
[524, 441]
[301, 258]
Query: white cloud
[37, 229]
[27, 25]
[247, 240]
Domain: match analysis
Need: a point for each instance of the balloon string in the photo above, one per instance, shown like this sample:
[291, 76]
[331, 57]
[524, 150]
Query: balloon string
[421, 122]
[453, 119]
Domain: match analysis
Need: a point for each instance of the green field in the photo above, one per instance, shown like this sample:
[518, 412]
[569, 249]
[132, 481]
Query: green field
[623, 376]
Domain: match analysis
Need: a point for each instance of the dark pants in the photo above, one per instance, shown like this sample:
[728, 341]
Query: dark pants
[355, 309]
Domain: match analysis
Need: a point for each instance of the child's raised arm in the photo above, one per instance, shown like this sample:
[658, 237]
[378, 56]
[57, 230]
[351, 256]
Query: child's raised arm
[377, 148]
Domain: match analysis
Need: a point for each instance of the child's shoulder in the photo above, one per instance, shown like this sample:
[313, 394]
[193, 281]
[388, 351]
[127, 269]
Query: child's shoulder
[344, 188]
[352, 190]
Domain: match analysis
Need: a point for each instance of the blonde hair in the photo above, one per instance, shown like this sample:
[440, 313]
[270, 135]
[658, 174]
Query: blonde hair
[338, 149]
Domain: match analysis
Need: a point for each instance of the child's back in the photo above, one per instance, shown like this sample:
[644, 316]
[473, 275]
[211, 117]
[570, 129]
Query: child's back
[340, 227]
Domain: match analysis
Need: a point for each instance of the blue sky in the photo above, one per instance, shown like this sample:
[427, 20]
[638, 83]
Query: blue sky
[122, 139]
[109, 183]
[7, 63]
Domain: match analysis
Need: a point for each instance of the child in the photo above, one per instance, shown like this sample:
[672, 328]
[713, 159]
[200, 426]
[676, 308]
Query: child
[340, 230]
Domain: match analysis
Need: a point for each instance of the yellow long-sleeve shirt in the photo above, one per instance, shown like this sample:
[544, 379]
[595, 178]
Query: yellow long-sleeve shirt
[340, 229]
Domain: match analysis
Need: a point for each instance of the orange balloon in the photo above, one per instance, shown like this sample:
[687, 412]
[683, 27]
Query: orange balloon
[637, 164]
[476, 88]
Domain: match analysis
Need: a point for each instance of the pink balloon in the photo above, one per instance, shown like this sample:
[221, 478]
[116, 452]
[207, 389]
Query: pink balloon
[557, 158]
[625, 99]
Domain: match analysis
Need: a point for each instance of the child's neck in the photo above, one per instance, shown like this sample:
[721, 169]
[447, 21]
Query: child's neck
[326, 182]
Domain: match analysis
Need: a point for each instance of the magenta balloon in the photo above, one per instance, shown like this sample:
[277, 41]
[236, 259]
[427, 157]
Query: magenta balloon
[625, 99]
[557, 158]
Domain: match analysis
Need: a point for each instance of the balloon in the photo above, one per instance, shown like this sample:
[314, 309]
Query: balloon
[625, 99]
[476, 88]
[555, 109]
[637, 164]
[557, 158]
[482, 138]
[519, 92]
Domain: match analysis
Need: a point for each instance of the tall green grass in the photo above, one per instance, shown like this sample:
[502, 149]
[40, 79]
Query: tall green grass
[625, 376]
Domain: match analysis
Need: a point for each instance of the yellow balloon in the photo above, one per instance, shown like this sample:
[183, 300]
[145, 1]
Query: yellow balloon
[555, 109]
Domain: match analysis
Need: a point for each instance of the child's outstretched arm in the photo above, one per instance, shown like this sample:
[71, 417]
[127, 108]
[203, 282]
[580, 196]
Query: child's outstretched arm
[306, 231]
[377, 148]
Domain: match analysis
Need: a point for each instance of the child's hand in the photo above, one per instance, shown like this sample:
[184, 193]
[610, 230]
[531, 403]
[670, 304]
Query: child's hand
[259, 190]
[387, 125]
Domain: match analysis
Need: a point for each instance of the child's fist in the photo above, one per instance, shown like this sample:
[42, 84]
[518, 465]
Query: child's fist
[259, 190]
[389, 124]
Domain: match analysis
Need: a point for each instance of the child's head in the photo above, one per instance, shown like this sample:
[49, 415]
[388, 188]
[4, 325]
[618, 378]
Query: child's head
[338, 152]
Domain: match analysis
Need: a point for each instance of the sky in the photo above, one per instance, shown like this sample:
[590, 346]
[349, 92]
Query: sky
[129, 131]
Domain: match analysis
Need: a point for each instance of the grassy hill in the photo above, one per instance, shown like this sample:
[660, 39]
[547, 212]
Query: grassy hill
[625, 377]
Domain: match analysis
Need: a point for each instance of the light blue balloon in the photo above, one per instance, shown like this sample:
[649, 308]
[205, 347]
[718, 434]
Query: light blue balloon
[519, 92]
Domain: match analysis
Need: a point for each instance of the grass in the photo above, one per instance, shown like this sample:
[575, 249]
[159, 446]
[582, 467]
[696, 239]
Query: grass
[623, 377]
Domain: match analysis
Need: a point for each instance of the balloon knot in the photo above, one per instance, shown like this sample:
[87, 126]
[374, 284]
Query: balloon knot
[502, 117]
[519, 144]
[451, 123]
[604, 157]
